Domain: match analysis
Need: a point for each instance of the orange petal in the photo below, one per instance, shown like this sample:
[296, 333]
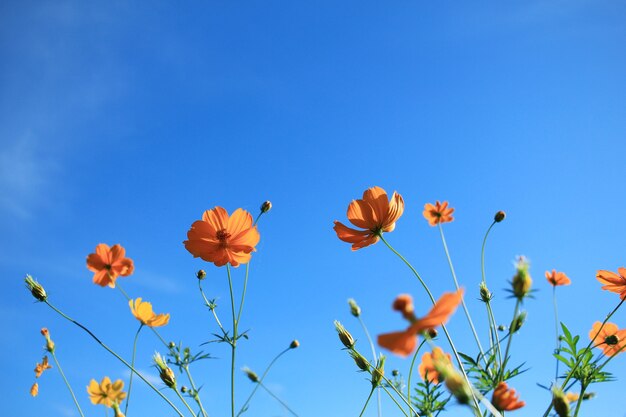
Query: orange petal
[377, 198]
[361, 214]
[400, 343]
[440, 313]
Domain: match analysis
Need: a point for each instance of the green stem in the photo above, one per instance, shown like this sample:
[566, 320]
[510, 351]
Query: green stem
[243, 408]
[432, 299]
[233, 344]
[580, 400]
[371, 342]
[245, 280]
[408, 388]
[494, 338]
[508, 342]
[557, 349]
[366, 402]
[132, 363]
[456, 284]
[208, 304]
[67, 383]
[108, 349]
[196, 395]
[396, 401]
[277, 399]
[193, 413]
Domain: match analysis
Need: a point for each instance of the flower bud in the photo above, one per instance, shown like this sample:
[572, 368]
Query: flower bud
[294, 344]
[485, 294]
[252, 376]
[360, 361]
[35, 288]
[201, 274]
[165, 372]
[395, 373]
[518, 322]
[345, 336]
[560, 402]
[184, 389]
[501, 327]
[379, 371]
[522, 280]
[354, 308]
[49, 342]
[432, 333]
[266, 206]
[457, 386]
[34, 390]
[499, 216]
[171, 345]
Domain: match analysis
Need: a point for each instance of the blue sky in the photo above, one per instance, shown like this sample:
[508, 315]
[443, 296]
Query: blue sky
[122, 123]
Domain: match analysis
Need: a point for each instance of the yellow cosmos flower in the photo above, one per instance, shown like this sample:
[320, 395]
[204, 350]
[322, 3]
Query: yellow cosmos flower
[105, 392]
[142, 310]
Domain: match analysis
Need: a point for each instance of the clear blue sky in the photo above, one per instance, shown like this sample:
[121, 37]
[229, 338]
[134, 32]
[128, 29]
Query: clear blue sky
[123, 122]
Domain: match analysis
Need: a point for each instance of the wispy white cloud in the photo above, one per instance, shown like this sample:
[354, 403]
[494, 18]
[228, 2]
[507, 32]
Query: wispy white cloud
[158, 282]
[150, 375]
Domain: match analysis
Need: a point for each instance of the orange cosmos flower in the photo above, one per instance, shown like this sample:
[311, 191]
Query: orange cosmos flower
[374, 213]
[105, 392]
[557, 278]
[40, 367]
[439, 213]
[610, 339]
[427, 368]
[109, 263]
[222, 239]
[505, 399]
[142, 310]
[403, 343]
[613, 282]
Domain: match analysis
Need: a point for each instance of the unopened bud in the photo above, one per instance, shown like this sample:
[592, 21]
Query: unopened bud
[171, 345]
[252, 376]
[354, 308]
[485, 294]
[165, 372]
[379, 371]
[518, 322]
[35, 288]
[360, 361]
[49, 342]
[345, 336]
[294, 344]
[560, 402]
[201, 274]
[432, 333]
[266, 206]
[184, 389]
[499, 216]
[457, 386]
[522, 280]
[395, 373]
[501, 327]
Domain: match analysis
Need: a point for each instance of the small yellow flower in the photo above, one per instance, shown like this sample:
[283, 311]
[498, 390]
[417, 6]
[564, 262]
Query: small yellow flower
[105, 392]
[40, 367]
[142, 310]
[34, 390]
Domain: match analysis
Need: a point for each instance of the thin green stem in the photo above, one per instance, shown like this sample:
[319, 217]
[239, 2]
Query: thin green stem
[371, 342]
[366, 402]
[132, 363]
[580, 399]
[193, 413]
[557, 349]
[263, 375]
[494, 339]
[67, 384]
[245, 280]
[108, 349]
[396, 401]
[432, 299]
[196, 395]
[233, 343]
[212, 308]
[277, 399]
[482, 253]
[508, 342]
[456, 284]
[408, 388]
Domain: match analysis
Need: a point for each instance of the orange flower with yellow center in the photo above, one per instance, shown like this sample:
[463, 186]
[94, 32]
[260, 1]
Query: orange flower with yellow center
[438, 213]
[505, 399]
[608, 338]
[108, 263]
[427, 368]
[375, 213]
[557, 278]
[222, 239]
[403, 343]
[105, 392]
[142, 310]
[40, 367]
[613, 282]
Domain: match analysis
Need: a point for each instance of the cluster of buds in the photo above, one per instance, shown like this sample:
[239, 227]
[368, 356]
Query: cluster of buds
[521, 281]
[165, 372]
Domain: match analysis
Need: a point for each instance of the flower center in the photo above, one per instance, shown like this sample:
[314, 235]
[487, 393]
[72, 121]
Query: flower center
[107, 267]
[222, 235]
[611, 340]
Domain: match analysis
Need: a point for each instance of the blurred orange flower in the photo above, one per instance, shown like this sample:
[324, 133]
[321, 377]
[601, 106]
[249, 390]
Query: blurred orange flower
[404, 304]
[374, 213]
[108, 264]
[40, 367]
[403, 343]
[222, 239]
[427, 368]
[105, 392]
[142, 310]
[613, 282]
[34, 390]
[557, 278]
[610, 339]
[438, 213]
[505, 399]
